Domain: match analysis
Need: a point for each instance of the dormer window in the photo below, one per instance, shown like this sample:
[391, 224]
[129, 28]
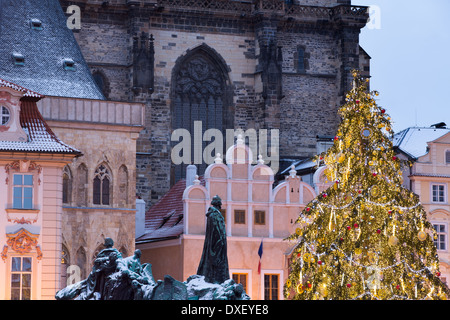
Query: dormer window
[69, 64]
[18, 59]
[4, 115]
[36, 24]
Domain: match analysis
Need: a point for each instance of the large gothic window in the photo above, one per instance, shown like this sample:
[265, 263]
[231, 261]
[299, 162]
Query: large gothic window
[67, 185]
[201, 92]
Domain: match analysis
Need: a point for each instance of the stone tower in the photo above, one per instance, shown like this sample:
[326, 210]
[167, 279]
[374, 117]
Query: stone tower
[249, 64]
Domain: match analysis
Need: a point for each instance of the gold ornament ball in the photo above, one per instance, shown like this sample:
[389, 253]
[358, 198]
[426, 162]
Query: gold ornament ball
[422, 236]
[393, 240]
[307, 257]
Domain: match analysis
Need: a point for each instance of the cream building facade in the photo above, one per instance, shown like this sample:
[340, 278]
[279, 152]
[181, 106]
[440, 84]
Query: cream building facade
[429, 177]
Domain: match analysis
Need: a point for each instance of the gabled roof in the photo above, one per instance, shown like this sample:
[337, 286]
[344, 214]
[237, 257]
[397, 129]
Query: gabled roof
[40, 137]
[42, 51]
[164, 220]
[414, 141]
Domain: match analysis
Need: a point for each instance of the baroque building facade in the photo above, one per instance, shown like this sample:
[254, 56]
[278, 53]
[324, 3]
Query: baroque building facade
[96, 191]
[32, 158]
[262, 65]
[429, 177]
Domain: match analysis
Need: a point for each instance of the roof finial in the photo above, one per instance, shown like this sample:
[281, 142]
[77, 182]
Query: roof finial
[218, 159]
[292, 172]
[196, 180]
[239, 139]
[260, 159]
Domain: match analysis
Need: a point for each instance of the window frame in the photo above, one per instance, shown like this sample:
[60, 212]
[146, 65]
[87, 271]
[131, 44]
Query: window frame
[437, 242]
[24, 168]
[3, 107]
[257, 221]
[23, 186]
[239, 275]
[249, 273]
[21, 273]
[270, 290]
[239, 213]
[432, 193]
[67, 189]
[102, 175]
[18, 59]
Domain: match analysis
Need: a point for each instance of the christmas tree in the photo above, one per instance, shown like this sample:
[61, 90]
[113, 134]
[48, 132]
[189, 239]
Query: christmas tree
[366, 236]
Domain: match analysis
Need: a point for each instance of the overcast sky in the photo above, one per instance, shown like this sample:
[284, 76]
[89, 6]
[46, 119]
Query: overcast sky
[409, 42]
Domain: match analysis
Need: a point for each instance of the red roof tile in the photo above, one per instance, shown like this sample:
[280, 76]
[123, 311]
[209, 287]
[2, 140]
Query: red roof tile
[27, 92]
[40, 136]
[164, 220]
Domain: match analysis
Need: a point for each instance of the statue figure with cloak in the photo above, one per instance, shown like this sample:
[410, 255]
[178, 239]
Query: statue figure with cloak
[214, 262]
[104, 265]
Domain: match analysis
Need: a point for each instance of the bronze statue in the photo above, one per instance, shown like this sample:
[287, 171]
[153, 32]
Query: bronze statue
[104, 265]
[116, 278]
[113, 278]
[214, 262]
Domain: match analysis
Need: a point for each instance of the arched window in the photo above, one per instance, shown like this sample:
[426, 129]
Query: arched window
[65, 262]
[67, 185]
[201, 91]
[82, 180]
[102, 186]
[122, 181]
[4, 115]
[81, 262]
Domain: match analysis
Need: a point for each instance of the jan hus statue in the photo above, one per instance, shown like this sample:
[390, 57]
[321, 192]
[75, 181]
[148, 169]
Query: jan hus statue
[214, 262]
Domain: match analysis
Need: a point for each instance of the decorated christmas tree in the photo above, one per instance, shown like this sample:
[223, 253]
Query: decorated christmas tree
[366, 236]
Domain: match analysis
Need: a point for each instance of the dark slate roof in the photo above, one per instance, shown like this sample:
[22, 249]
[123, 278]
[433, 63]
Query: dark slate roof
[44, 51]
[164, 220]
[40, 136]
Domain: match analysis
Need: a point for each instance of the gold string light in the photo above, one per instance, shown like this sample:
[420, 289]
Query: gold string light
[365, 237]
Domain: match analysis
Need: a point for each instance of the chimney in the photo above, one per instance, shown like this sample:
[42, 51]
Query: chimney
[191, 172]
[140, 218]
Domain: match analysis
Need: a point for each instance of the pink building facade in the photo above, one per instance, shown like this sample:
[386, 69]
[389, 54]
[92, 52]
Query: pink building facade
[31, 164]
[256, 213]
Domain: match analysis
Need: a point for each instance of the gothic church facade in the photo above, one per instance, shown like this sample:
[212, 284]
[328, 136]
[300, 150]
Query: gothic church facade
[245, 64]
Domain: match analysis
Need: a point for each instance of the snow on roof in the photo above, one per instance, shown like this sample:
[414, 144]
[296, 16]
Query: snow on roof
[40, 137]
[413, 141]
[34, 58]
[300, 165]
[27, 92]
[164, 220]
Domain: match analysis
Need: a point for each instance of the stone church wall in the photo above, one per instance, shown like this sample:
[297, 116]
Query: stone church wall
[302, 105]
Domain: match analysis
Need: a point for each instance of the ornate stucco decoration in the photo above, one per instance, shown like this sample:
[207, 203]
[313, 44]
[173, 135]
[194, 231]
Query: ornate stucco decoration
[23, 242]
[22, 166]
